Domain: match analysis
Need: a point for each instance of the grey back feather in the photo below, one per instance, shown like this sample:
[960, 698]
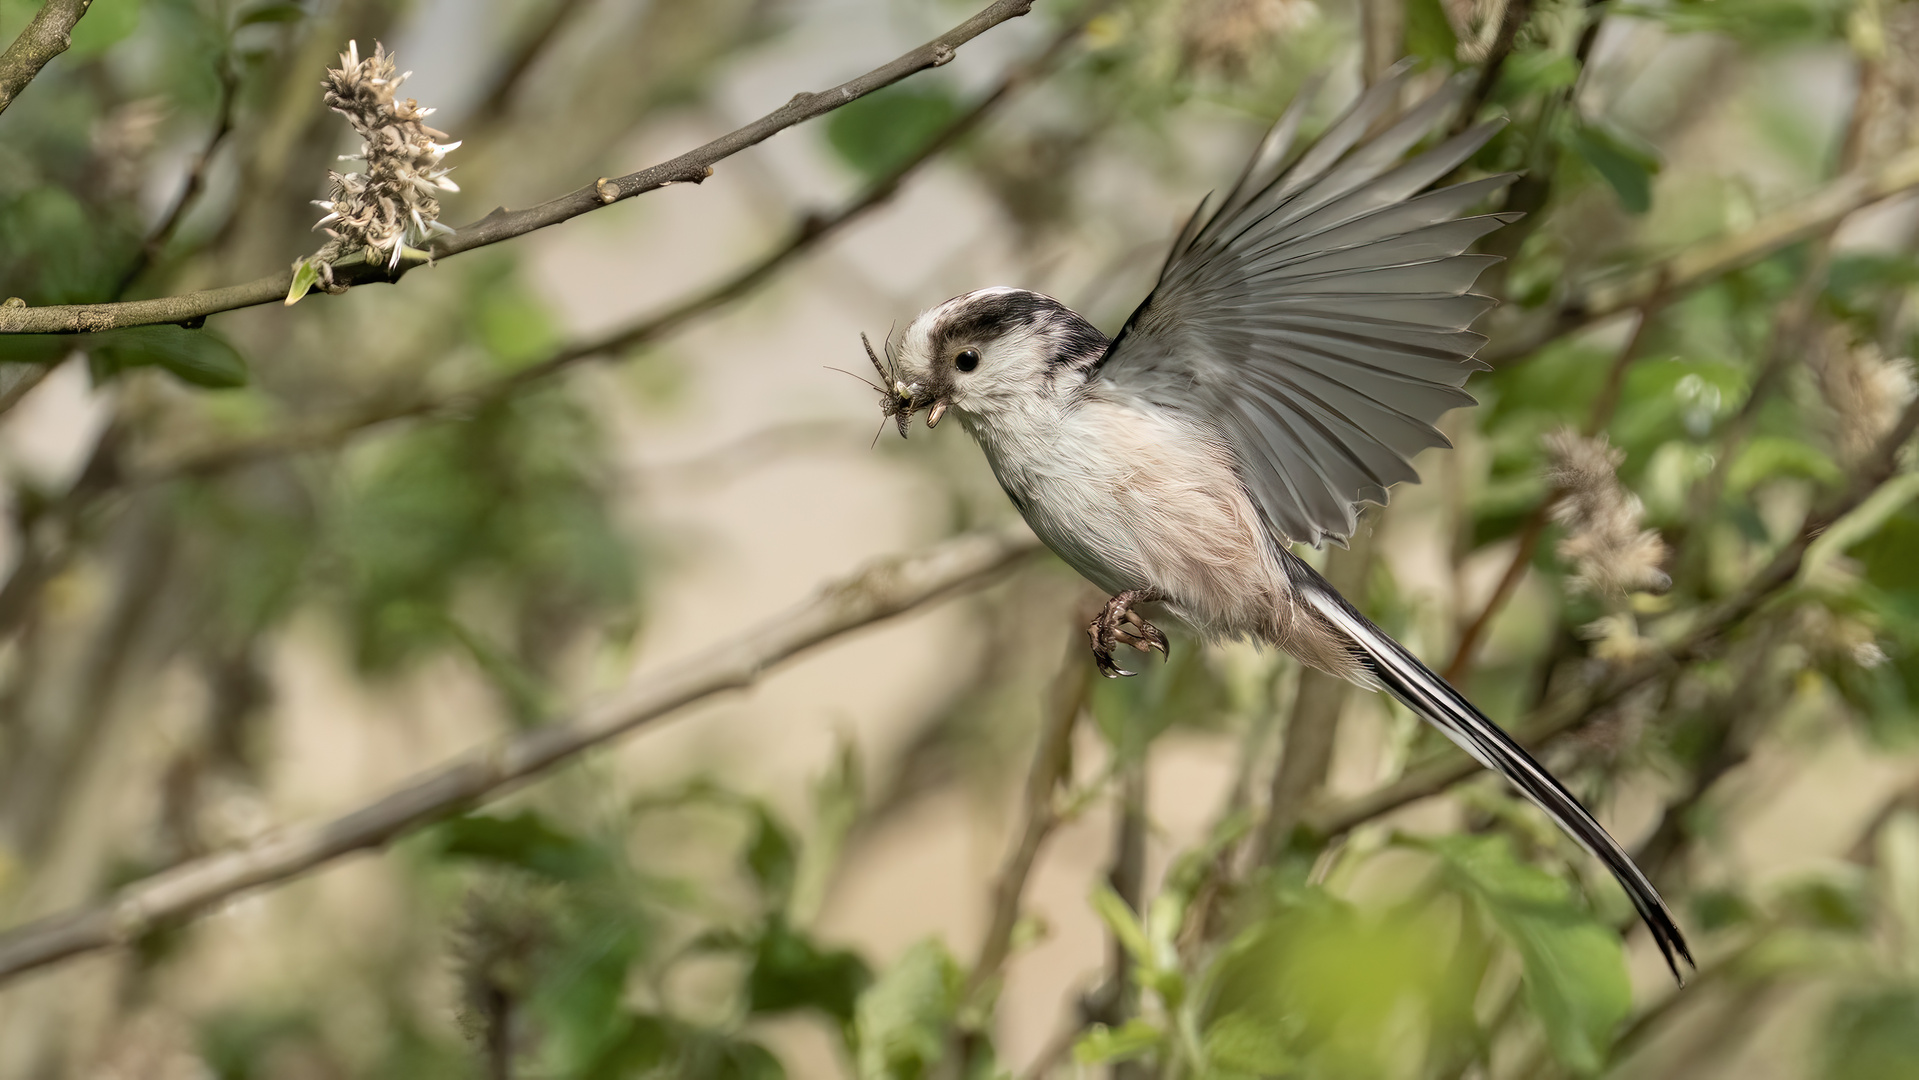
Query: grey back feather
[1320, 317]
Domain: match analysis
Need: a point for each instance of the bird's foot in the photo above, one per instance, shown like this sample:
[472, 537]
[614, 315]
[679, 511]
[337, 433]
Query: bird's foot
[1118, 624]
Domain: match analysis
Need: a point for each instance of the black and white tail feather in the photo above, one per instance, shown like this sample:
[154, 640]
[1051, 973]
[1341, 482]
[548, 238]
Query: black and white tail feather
[1434, 700]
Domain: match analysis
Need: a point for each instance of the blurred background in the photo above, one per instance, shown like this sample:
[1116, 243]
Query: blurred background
[245, 591]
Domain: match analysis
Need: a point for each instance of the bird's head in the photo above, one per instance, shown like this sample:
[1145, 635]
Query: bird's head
[983, 352]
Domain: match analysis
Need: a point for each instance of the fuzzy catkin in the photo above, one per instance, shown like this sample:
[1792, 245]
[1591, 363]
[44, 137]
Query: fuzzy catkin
[394, 203]
[1864, 389]
[1612, 554]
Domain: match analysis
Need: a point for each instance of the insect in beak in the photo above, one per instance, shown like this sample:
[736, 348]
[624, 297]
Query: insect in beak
[933, 415]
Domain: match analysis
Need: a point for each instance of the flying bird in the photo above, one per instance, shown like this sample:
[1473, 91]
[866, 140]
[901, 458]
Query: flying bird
[1303, 337]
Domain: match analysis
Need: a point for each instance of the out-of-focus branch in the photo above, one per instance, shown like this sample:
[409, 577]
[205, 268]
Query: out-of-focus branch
[1575, 708]
[1688, 269]
[1306, 751]
[499, 96]
[812, 230]
[156, 242]
[882, 590]
[691, 167]
[1534, 527]
[1039, 816]
[47, 36]
[1510, 22]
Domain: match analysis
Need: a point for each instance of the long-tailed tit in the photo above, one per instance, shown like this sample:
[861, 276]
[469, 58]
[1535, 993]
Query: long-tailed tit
[1301, 341]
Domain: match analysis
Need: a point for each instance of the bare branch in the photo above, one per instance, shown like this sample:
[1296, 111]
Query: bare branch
[812, 230]
[499, 97]
[47, 36]
[1306, 751]
[691, 167]
[1039, 816]
[49, 549]
[885, 588]
[155, 245]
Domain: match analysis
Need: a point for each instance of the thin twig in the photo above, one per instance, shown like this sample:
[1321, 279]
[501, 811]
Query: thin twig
[47, 36]
[1510, 22]
[1039, 816]
[813, 229]
[156, 242]
[500, 96]
[692, 167]
[885, 588]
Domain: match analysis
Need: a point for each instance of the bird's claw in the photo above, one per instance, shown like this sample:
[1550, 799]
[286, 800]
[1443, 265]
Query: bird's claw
[1118, 624]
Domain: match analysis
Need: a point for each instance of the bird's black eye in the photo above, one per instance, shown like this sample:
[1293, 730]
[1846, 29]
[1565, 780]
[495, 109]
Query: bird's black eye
[967, 360]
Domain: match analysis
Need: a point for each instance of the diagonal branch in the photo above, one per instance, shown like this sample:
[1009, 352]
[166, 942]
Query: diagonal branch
[691, 167]
[885, 588]
[1051, 769]
[47, 551]
[811, 231]
[155, 245]
[47, 36]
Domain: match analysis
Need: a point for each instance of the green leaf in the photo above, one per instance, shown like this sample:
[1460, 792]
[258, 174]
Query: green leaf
[1244, 1043]
[1758, 22]
[644, 1044]
[1826, 904]
[526, 841]
[1332, 985]
[106, 24]
[1717, 909]
[306, 274]
[1124, 924]
[1766, 457]
[772, 856]
[879, 131]
[1623, 163]
[900, 1021]
[1429, 33]
[1531, 72]
[1874, 1036]
[37, 348]
[1574, 968]
[1135, 1039]
[731, 1059]
[198, 357]
[281, 11]
[791, 971]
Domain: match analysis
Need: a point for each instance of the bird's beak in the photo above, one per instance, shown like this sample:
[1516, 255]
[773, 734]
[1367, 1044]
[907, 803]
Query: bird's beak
[933, 415]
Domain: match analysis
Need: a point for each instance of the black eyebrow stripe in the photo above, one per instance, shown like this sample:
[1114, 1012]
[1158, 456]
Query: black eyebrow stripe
[994, 314]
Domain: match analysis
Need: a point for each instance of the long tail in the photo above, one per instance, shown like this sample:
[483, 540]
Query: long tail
[1425, 693]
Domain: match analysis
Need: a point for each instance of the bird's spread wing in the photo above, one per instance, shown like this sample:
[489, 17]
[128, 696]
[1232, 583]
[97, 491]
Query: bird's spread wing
[1319, 318]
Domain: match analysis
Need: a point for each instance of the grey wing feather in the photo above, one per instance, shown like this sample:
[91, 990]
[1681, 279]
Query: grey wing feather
[1320, 317]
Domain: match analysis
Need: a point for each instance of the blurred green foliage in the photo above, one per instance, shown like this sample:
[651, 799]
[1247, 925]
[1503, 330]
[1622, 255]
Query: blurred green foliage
[879, 131]
[661, 938]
